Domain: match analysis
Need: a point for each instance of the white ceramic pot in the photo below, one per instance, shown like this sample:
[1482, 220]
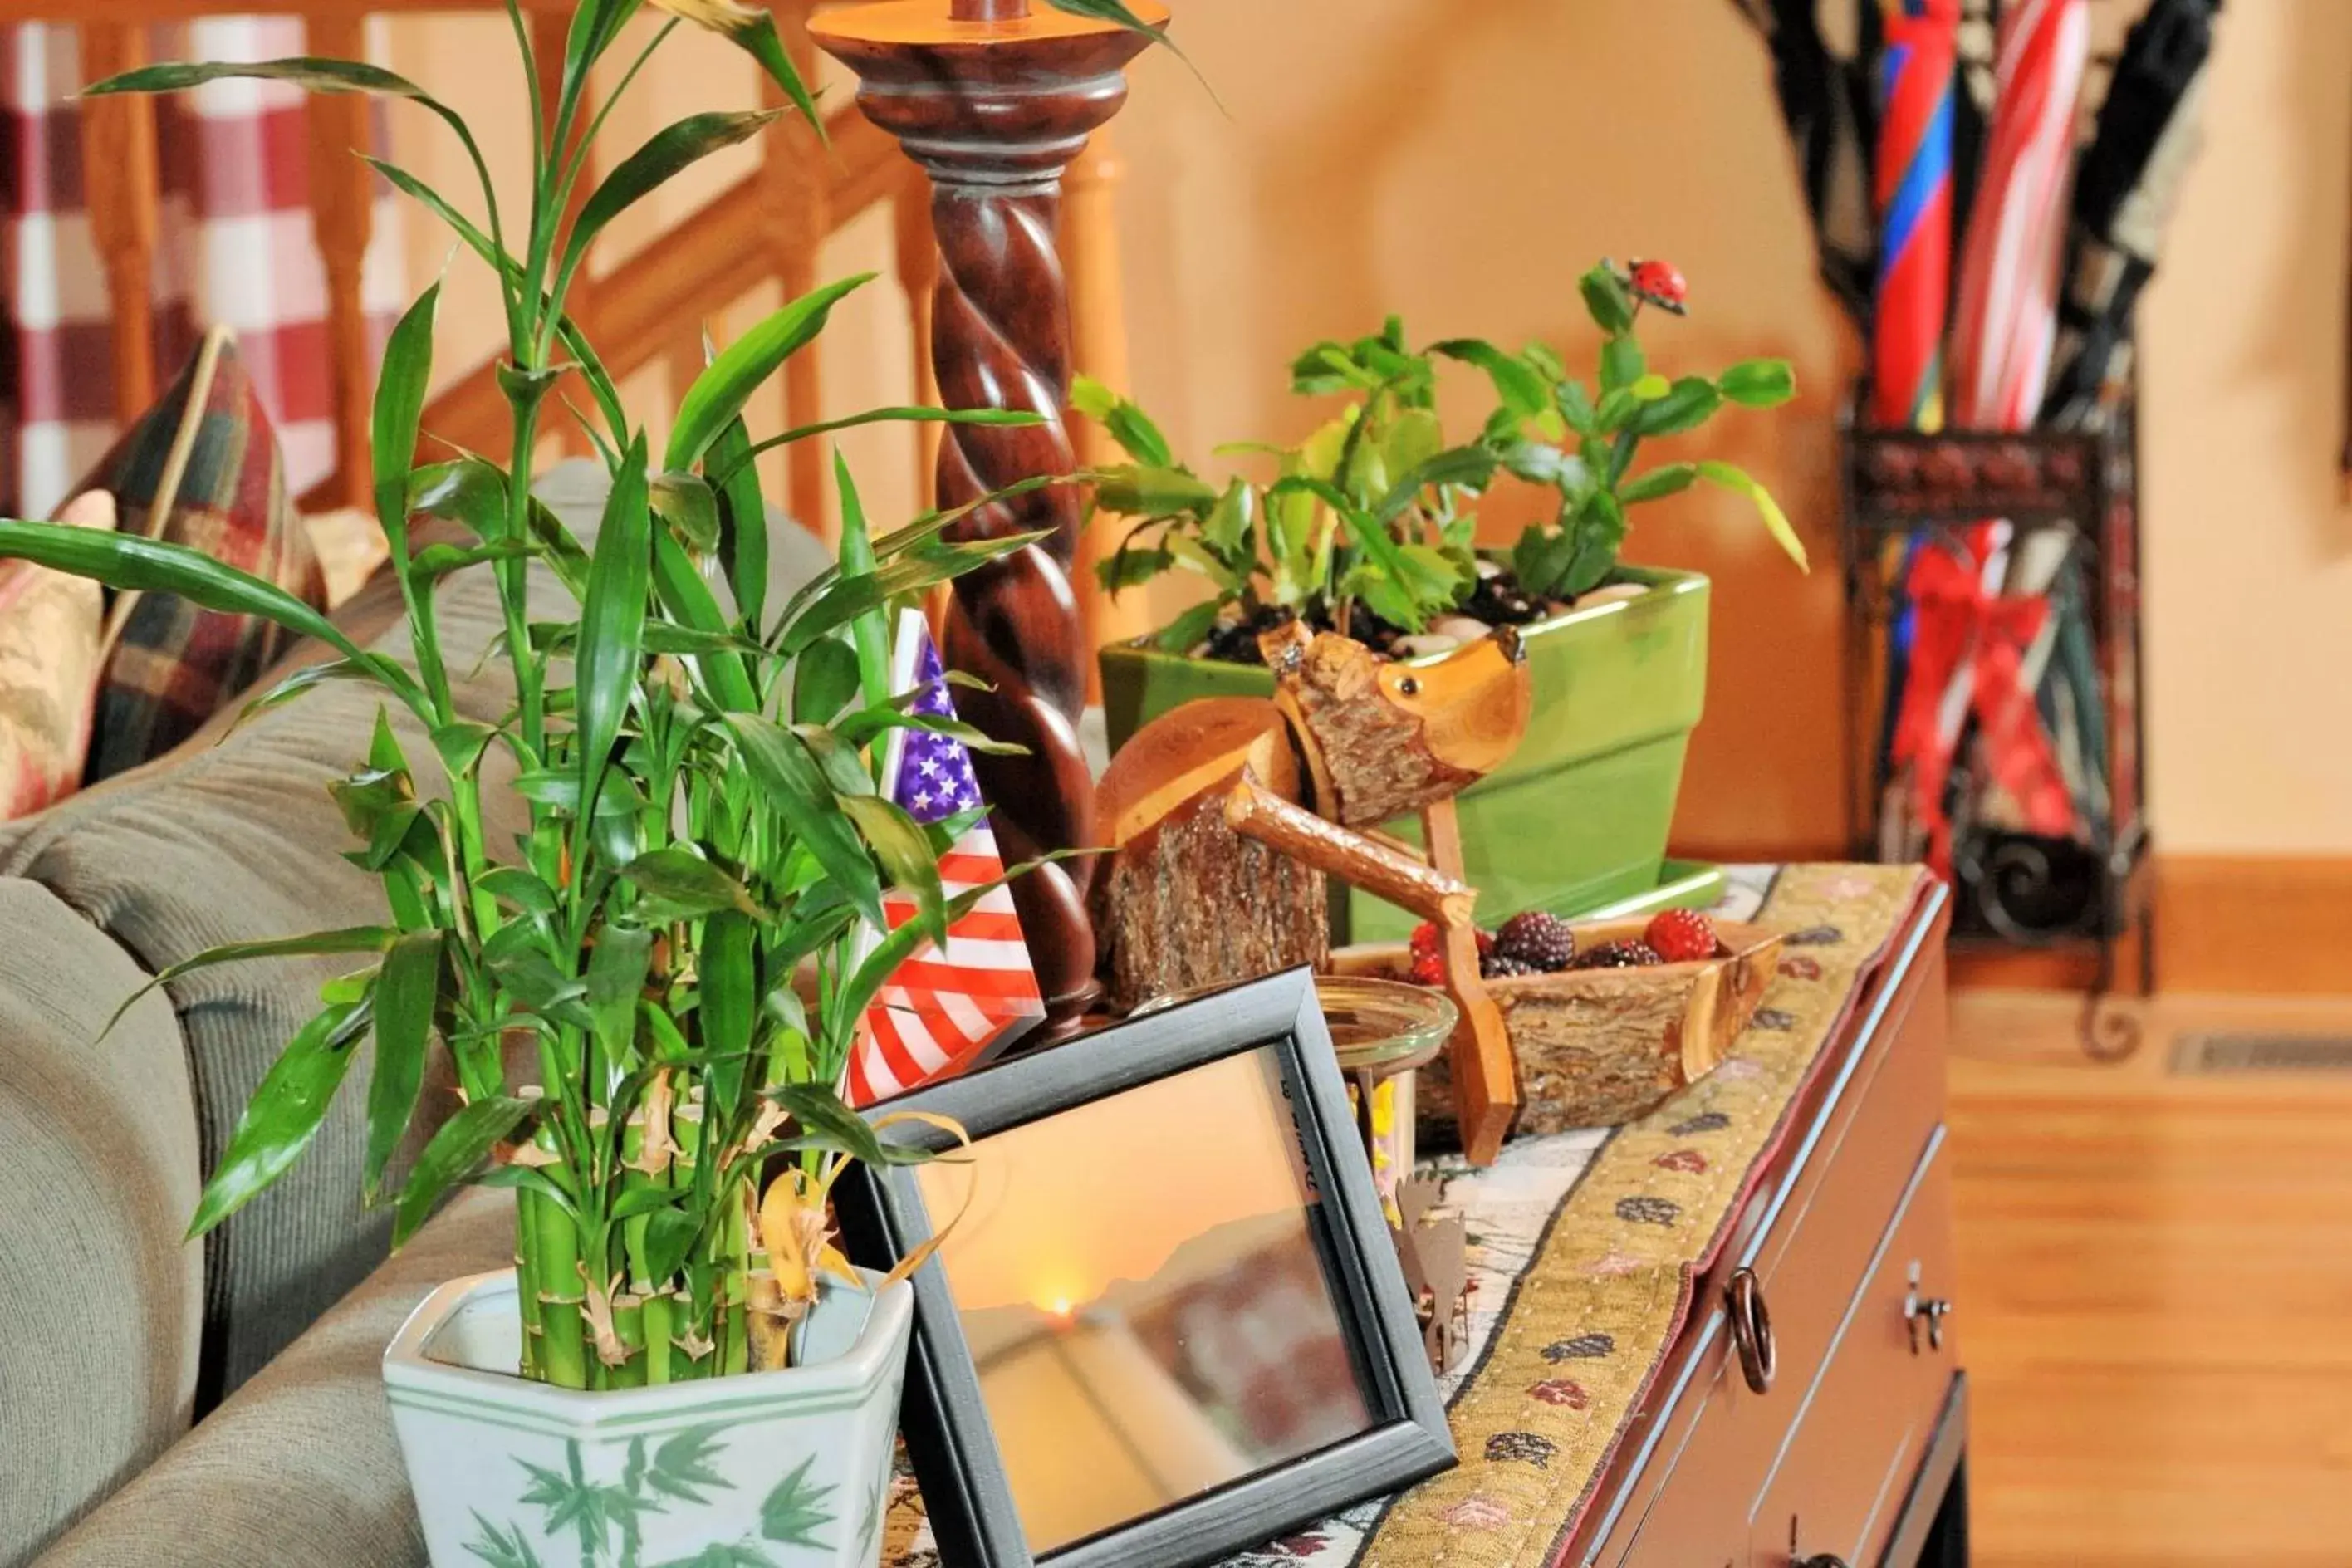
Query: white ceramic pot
[784, 1468]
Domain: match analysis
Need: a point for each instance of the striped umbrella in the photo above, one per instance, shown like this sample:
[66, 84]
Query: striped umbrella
[1915, 204]
[2006, 325]
[2008, 315]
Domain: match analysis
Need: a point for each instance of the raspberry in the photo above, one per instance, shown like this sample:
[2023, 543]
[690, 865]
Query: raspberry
[1425, 938]
[1428, 969]
[1681, 936]
[1620, 955]
[1486, 942]
[1538, 938]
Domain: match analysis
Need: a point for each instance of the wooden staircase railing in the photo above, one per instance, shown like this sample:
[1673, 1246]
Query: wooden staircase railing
[768, 225]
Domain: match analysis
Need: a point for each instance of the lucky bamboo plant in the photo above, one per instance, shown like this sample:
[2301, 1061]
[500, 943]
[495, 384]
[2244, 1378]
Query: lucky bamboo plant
[1374, 510]
[687, 932]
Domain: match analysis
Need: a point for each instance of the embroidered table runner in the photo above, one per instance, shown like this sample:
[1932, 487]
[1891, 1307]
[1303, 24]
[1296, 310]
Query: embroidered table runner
[1584, 1249]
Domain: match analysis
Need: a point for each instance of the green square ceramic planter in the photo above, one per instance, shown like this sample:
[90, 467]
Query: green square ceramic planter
[1578, 819]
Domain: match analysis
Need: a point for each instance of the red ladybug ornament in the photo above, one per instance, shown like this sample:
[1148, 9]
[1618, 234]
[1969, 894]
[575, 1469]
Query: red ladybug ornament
[1660, 284]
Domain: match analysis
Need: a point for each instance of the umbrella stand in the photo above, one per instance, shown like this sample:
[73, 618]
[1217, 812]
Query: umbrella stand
[1905, 490]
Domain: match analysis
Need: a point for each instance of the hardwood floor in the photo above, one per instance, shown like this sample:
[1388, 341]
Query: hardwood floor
[2155, 1295]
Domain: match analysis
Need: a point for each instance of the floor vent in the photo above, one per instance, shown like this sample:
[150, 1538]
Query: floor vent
[2234, 1053]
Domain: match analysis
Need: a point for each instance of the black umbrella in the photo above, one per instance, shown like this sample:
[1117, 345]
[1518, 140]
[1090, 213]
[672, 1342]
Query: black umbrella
[2126, 187]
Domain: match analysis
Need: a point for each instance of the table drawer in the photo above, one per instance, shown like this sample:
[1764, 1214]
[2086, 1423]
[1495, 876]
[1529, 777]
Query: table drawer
[1813, 1241]
[1839, 1477]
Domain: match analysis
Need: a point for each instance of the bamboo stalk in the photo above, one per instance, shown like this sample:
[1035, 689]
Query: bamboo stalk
[526, 1278]
[563, 1358]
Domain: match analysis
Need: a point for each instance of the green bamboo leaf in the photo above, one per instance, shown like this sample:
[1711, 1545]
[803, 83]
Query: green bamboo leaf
[612, 620]
[469, 491]
[724, 469]
[857, 993]
[742, 521]
[825, 1121]
[679, 885]
[824, 681]
[562, 551]
[727, 383]
[846, 598]
[1776, 522]
[793, 783]
[670, 150]
[684, 502]
[842, 771]
[1118, 11]
[905, 855]
[349, 939]
[860, 730]
[763, 43]
[684, 593]
[618, 966]
[406, 989]
[303, 680]
[283, 1115]
[437, 560]
[870, 633]
[522, 890]
[124, 561]
[730, 981]
[456, 1151]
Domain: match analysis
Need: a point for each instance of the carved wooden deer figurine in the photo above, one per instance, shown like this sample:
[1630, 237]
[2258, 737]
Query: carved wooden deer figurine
[1226, 816]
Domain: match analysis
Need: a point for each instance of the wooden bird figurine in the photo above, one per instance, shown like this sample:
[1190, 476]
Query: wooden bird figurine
[1225, 816]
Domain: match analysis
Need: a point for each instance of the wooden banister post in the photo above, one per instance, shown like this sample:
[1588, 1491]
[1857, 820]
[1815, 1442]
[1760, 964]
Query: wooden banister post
[119, 181]
[549, 31]
[342, 192]
[799, 218]
[917, 263]
[1099, 349]
[994, 104]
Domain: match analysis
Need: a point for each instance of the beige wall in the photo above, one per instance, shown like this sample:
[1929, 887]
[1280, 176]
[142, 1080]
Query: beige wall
[1460, 163]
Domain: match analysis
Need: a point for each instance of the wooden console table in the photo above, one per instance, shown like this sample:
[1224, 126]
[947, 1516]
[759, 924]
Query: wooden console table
[1856, 1453]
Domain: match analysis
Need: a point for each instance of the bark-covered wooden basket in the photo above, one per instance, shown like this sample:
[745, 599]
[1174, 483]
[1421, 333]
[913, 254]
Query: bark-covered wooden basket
[1601, 1047]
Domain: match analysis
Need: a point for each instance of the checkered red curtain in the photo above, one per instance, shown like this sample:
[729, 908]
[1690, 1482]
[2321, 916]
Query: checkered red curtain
[235, 250]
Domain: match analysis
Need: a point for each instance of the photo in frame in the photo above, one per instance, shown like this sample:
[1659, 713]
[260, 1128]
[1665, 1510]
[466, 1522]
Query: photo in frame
[1167, 1322]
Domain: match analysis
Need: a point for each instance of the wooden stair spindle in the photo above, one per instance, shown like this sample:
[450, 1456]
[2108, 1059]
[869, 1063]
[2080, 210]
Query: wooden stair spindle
[995, 102]
[118, 142]
[342, 195]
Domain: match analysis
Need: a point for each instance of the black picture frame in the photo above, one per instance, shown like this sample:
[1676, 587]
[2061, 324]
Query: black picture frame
[949, 1437]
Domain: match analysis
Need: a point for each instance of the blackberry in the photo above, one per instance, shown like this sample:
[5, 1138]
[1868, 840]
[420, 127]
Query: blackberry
[1495, 967]
[1620, 955]
[1538, 938]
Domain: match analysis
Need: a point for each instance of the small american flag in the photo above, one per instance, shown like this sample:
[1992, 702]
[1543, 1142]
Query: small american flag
[942, 1013]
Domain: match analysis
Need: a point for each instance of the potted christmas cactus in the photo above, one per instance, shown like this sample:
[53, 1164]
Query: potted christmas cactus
[680, 1367]
[1369, 526]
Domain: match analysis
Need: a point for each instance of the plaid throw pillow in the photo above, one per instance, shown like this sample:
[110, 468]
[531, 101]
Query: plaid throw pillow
[200, 469]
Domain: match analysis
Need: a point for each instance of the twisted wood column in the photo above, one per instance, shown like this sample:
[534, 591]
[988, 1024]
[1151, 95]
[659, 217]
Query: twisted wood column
[995, 102]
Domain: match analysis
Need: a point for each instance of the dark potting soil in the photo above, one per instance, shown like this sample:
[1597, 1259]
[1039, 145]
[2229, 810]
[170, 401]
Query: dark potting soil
[1497, 600]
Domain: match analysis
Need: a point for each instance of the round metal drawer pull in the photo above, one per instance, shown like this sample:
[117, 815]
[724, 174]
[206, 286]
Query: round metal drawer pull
[1751, 1330]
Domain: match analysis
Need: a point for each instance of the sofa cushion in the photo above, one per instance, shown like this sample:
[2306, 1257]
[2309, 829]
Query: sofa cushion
[98, 1161]
[301, 1467]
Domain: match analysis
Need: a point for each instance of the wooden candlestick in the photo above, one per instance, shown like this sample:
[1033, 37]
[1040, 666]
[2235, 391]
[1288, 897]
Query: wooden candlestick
[993, 103]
